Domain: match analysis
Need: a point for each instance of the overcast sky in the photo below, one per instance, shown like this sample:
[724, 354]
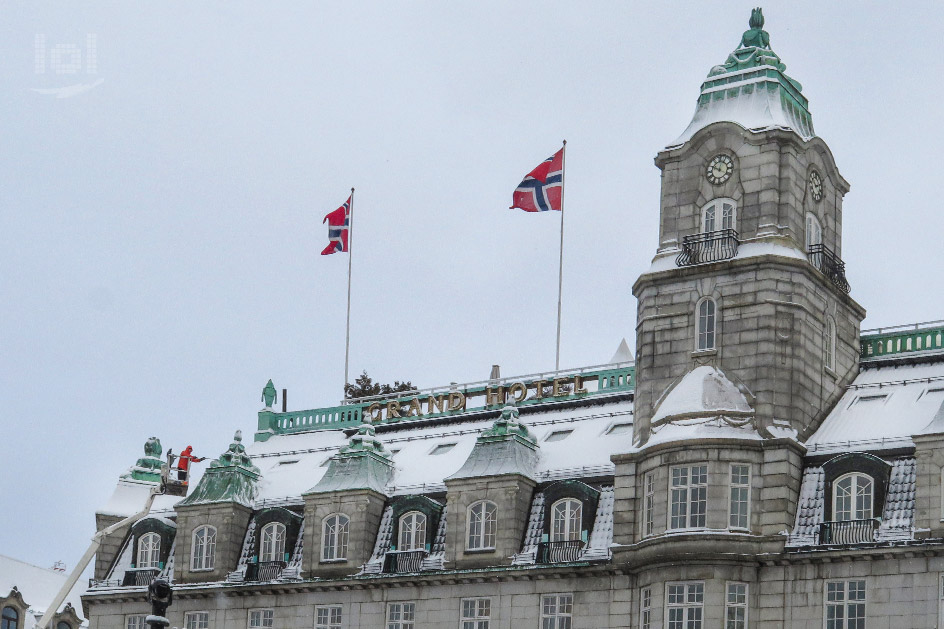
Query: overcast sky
[160, 224]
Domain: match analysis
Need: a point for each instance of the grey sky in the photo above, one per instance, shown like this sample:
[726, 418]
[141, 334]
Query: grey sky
[160, 232]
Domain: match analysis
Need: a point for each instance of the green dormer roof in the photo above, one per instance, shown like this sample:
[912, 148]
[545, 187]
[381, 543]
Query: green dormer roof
[752, 90]
[230, 478]
[362, 464]
[508, 447]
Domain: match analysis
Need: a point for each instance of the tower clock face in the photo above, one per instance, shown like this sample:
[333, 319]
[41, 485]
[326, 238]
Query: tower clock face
[816, 186]
[719, 169]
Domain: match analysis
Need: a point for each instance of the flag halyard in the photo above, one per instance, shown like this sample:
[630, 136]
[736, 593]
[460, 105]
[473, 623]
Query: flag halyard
[543, 188]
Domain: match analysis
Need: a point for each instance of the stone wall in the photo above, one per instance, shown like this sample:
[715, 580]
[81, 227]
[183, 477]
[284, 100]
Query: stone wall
[230, 520]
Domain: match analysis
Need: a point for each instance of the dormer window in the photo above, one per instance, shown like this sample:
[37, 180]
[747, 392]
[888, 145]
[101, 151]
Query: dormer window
[273, 542]
[412, 531]
[853, 497]
[717, 215]
[482, 525]
[203, 549]
[10, 618]
[149, 551]
[334, 537]
[567, 517]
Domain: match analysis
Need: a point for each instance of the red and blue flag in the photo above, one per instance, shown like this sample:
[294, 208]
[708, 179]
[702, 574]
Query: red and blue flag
[339, 223]
[543, 187]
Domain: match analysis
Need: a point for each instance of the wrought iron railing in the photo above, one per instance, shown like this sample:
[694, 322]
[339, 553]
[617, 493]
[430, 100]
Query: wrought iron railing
[832, 266]
[140, 577]
[404, 561]
[708, 247]
[103, 583]
[848, 531]
[264, 570]
[560, 552]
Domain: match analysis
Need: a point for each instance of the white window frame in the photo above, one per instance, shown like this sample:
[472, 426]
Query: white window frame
[706, 325]
[854, 495]
[814, 231]
[149, 551]
[572, 521]
[560, 613]
[135, 621]
[718, 214]
[261, 616]
[481, 525]
[203, 553]
[645, 608]
[841, 599]
[649, 502]
[738, 488]
[272, 545]
[691, 494]
[829, 343]
[192, 620]
[736, 597]
[335, 615]
[693, 611]
[335, 535]
[412, 531]
[403, 609]
[481, 616]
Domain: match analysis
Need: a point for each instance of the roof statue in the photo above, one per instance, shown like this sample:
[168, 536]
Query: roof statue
[269, 394]
[757, 37]
[148, 467]
[231, 478]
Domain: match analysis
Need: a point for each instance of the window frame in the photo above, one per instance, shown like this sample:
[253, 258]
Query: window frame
[208, 554]
[476, 621]
[829, 344]
[718, 215]
[401, 623]
[853, 496]
[689, 514]
[342, 537]
[649, 503]
[193, 614]
[558, 617]
[736, 605]
[568, 534]
[488, 526]
[845, 602]
[812, 221]
[139, 621]
[416, 538]
[645, 608]
[331, 624]
[153, 561]
[687, 622]
[260, 610]
[5, 622]
[276, 542]
[744, 486]
[706, 337]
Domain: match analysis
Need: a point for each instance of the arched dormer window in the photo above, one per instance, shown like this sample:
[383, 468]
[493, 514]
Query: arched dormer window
[203, 548]
[706, 314]
[718, 214]
[829, 344]
[335, 531]
[10, 618]
[814, 231]
[273, 542]
[412, 531]
[483, 524]
[149, 551]
[566, 520]
[853, 497]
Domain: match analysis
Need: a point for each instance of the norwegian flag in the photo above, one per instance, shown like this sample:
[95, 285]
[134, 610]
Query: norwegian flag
[339, 221]
[542, 188]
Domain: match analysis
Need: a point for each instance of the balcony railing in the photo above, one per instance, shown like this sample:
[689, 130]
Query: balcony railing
[264, 570]
[708, 247]
[848, 531]
[560, 552]
[832, 266]
[140, 577]
[404, 561]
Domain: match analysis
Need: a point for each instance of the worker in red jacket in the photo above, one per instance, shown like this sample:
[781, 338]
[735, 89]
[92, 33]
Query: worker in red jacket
[183, 463]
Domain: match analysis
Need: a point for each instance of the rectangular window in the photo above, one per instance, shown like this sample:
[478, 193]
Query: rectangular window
[845, 604]
[557, 611]
[197, 620]
[940, 603]
[740, 496]
[401, 615]
[735, 606]
[476, 613]
[135, 622]
[327, 616]
[649, 504]
[261, 618]
[688, 495]
[684, 605]
[645, 609]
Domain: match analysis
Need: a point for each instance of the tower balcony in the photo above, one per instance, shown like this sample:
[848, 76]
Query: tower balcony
[831, 265]
[708, 247]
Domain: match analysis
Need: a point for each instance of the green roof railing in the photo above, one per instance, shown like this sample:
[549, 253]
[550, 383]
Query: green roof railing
[902, 340]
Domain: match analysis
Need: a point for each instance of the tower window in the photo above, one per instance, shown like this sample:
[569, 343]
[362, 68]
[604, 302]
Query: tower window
[829, 344]
[718, 214]
[706, 313]
[814, 231]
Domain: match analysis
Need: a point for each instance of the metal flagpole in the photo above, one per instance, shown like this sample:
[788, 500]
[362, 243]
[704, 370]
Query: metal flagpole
[350, 256]
[560, 273]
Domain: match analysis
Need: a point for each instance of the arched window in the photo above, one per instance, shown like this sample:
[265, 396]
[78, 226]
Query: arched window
[814, 231]
[829, 344]
[566, 520]
[273, 542]
[718, 214]
[203, 549]
[706, 312]
[335, 530]
[412, 531]
[149, 551]
[483, 524]
[9, 619]
[852, 497]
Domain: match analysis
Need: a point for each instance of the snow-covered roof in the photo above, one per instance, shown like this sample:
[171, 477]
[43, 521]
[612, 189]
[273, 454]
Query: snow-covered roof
[38, 587]
[883, 408]
[703, 392]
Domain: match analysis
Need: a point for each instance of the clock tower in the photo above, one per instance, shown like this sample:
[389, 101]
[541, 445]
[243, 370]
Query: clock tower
[748, 277]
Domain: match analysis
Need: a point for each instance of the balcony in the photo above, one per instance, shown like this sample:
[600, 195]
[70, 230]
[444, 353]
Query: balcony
[143, 576]
[831, 265]
[404, 561]
[264, 570]
[559, 552]
[708, 247]
[848, 531]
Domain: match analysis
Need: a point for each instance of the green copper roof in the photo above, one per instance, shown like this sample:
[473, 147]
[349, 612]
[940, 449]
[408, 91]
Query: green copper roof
[508, 447]
[230, 478]
[362, 464]
[751, 89]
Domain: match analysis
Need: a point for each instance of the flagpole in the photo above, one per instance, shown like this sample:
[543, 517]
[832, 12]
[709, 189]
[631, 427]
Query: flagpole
[350, 256]
[560, 272]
